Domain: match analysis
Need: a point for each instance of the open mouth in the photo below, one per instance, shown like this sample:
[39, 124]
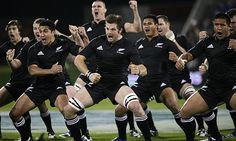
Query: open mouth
[147, 30]
[11, 35]
[96, 13]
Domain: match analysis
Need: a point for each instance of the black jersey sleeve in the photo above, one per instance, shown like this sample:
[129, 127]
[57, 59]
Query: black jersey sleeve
[32, 56]
[183, 42]
[73, 48]
[172, 47]
[2, 51]
[23, 53]
[89, 50]
[198, 49]
[134, 55]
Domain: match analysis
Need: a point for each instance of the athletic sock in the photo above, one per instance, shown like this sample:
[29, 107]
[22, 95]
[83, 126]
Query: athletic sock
[83, 121]
[46, 117]
[121, 123]
[22, 129]
[187, 125]
[211, 122]
[0, 127]
[232, 113]
[130, 118]
[74, 128]
[27, 118]
[142, 123]
[200, 122]
[150, 119]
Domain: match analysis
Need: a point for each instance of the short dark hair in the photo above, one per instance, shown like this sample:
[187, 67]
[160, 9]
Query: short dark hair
[231, 12]
[223, 16]
[100, 1]
[48, 23]
[164, 17]
[38, 20]
[14, 22]
[151, 16]
[113, 18]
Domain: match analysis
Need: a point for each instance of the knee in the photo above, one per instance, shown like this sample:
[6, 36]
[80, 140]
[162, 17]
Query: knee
[14, 115]
[172, 104]
[136, 108]
[43, 108]
[184, 113]
[120, 111]
[68, 112]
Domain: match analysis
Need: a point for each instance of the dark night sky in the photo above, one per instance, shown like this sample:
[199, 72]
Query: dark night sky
[67, 11]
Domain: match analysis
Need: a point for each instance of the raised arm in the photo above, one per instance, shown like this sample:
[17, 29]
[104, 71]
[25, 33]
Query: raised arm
[14, 63]
[136, 26]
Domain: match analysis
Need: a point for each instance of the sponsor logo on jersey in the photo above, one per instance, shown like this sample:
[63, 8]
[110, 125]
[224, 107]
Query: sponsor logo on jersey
[40, 53]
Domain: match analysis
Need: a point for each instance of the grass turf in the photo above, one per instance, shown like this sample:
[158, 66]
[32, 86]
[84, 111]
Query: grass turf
[109, 136]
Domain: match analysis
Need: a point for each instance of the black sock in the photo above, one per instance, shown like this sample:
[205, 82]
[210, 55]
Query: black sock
[233, 116]
[200, 122]
[211, 122]
[74, 128]
[232, 113]
[121, 123]
[27, 118]
[130, 118]
[83, 121]
[46, 117]
[142, 123]
[187, 125]
[22, 129]
[150, 119]
[0, 127]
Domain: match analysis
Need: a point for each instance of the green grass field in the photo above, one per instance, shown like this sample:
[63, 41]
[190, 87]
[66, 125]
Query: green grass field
[108, 137]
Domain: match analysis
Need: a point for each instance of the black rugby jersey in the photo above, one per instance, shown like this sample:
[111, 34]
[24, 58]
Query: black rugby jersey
[155, 54]
[94, 29]
[220, 57]
[112, 59]
[232, 72]
[173, 72]
[46, 56]
[21, 73]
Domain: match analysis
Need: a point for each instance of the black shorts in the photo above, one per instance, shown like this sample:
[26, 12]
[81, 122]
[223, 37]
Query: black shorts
[177, 84]
[17, 88]
[214, 95]
[67, 79]
[146, 89]
[103, 90]
[39, 93]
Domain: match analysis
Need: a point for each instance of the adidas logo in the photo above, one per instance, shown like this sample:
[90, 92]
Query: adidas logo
[234, 87]
[59, 88]
[163, 84]
[204, 88]
[183, 81]
[58, 48]
[121, 49]
[160, 45]
[135, 84]
[122, 83]
[89, 29]
[40, 53]
[67, 83]
[210, 46]
[99, 48]
[140, 47]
